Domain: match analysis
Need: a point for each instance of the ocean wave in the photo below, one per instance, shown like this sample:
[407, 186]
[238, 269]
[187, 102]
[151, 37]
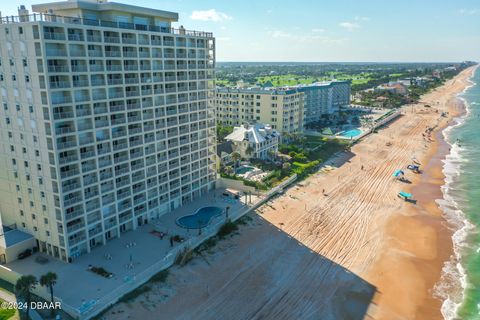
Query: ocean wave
[453, 281]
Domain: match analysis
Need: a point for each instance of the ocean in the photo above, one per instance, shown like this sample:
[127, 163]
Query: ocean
[459, 286]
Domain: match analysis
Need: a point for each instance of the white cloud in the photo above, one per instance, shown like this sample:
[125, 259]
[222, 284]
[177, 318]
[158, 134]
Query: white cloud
[468, 11]
[318, 30]
[223, 38]
[209, 15]
[350, 26]
[306, 37]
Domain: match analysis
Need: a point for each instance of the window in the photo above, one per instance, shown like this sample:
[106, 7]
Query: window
[12, 63]
[23, 224]
[1, 77]
[32, 205]
[24, 61]
[35, 229]
[35, 139]
[10, 134]
[14, 162]
[18, 107]
[27, 78]
[37, 153]
[40, 181]
[18, 187]
[24, 150]
[42, 194]
[47, 233]
[12, 148]
[25, 163]
[7, 120]
[30, 108]
[45, 220]
[19, 200]
[14, 77]
[20, 30]
[21, 213]
[39, 167]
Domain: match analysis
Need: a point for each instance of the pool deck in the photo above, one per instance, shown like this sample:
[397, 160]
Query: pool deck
[139, 246]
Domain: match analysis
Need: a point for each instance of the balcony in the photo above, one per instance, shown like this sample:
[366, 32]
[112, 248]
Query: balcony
[55, 69]
[54, 36]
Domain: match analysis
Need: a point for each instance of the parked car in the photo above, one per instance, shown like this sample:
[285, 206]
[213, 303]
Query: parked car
[24, 254]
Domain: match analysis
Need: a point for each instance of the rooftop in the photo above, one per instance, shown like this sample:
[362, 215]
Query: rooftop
[280, 90]
[256, 133]
[14, 236]
[103, 5]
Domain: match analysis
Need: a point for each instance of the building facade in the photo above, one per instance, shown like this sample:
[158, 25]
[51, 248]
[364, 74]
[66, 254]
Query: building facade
[324, 98]
[258, 141]
[105, 121]
[282, 108]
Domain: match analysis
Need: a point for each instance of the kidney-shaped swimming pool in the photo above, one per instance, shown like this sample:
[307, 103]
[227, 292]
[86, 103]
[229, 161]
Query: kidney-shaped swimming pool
[200, 219]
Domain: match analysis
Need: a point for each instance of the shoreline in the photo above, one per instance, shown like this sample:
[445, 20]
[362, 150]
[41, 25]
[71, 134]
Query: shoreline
[428, 216]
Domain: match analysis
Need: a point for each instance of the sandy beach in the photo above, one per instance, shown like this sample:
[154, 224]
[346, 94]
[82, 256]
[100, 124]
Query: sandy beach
[355, 252]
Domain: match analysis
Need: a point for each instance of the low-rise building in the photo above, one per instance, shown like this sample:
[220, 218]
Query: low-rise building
[258, 141]
[393, 87]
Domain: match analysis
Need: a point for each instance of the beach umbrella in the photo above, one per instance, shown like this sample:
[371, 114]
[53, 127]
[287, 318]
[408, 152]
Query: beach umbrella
[398, 173]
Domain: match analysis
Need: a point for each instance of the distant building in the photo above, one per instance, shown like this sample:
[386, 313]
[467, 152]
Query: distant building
[256, 141]
[278, 106]
[393, 87]
[324, 98]
[283, 108]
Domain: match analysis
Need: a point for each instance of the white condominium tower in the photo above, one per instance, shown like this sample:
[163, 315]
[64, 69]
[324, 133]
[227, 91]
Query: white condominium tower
[105, 121]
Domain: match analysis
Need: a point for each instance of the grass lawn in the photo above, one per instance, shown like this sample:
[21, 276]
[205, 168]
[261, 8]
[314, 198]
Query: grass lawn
[7, 313]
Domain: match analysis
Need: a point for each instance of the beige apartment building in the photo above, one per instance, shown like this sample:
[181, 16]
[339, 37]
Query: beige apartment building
[281, 108]
[105, 122]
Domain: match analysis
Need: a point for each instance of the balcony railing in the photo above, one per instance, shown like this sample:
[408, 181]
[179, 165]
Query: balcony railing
[110, 24]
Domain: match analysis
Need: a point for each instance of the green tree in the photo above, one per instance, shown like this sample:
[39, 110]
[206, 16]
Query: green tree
[48, 280]
[23, 288]
[235, 157]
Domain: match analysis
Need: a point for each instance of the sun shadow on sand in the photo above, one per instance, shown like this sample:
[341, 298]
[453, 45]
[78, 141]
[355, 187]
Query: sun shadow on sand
[264, 273]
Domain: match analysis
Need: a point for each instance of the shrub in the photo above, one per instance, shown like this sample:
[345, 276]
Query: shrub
[183, 257]
[160, 276]
[132, 295]
[227, 228]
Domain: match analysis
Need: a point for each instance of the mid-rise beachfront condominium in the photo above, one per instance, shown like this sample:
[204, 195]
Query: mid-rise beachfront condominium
[105, 121]
[324, 98]
[281, 108]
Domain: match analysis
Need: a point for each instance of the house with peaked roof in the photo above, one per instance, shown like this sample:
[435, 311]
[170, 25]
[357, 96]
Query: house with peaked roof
[258, 141]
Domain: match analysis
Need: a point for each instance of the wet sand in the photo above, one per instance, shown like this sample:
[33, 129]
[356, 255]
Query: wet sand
[357, 252]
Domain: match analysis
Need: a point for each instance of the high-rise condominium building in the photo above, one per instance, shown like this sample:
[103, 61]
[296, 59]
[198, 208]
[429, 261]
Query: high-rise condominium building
[324, 98]
[105, 121]
[281, 108]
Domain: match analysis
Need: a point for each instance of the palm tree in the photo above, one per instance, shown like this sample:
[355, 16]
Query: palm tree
[48, 280]
[235, 157]
[23, 288]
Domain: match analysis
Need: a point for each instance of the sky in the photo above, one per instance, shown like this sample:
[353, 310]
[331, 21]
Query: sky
[327, 30]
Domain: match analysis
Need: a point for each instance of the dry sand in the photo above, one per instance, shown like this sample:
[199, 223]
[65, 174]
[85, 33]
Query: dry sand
[357, 252]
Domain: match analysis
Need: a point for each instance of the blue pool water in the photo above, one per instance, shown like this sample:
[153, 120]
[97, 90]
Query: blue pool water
[200, 219]
[244, 169]
[351, 133]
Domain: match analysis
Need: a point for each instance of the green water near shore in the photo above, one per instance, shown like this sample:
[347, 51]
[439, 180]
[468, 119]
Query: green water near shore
[462, 190]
